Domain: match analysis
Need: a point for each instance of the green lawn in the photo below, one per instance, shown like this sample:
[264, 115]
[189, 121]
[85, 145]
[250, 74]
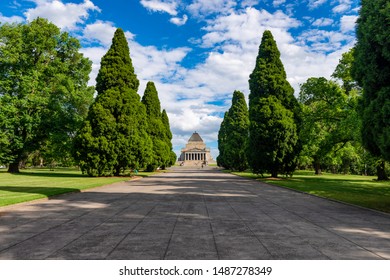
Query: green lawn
[33, 184]
[359, 190]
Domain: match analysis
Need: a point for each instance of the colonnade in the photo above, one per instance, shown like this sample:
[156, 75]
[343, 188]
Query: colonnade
[195, 156]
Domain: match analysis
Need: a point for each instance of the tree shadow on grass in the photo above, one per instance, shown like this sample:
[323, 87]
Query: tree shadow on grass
[28, 192]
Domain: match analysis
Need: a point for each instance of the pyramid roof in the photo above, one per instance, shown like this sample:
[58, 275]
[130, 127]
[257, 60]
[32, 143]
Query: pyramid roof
[195, 137]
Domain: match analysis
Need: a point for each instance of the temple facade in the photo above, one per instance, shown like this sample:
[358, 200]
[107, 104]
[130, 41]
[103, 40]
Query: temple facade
[195, 152]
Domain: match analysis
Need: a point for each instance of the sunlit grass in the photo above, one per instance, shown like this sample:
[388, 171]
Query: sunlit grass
[355, 189]
[33, 184]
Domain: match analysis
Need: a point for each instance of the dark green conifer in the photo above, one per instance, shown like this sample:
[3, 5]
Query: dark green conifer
[156, 128]
[371, 68]
[114, 136]
[168, 138]
[222, 139]
[233, 135]
[274, 114]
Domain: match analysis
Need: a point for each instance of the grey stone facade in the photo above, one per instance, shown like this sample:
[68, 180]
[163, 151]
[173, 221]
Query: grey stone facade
[195, 152]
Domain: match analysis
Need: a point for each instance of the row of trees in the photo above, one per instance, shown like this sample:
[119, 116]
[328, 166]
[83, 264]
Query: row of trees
[342, 124]
[266, 135]
[48, 110]
[122, 131]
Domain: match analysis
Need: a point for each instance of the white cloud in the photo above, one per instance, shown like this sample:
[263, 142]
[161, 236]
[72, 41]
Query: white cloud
[323, 40]
[314, 4]
[102, 33]
[249, 3]
[167, 6]
[323, 22]
[179, 21]
[203, 8]
[344, 5]
[12, 19]
[277, 3]
[348, 23]
[66, 16]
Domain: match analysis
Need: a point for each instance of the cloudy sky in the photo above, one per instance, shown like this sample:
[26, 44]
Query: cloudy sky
[199, 51]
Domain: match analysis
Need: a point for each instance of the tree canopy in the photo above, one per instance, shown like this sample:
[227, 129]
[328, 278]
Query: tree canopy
[371, 69]
[44, 95]
[233, 135]
[168, 139]
[156, 129]
[330, 119]
[114, 136]
[274, 113]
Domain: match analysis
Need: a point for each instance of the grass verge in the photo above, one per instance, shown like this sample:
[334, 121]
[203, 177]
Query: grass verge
[34, 184]
[364, 191]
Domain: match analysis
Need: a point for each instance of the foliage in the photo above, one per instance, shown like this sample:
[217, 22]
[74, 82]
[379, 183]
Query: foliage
[278, 133]
[156, 129]
[44, 95]
[343, 72]
[330, 119]
[371, 69]
[168, 139]
[233, 135]
[274, 114]
[114, 136]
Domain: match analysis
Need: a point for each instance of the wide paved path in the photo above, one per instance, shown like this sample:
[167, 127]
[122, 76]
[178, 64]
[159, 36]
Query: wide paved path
[192, 214]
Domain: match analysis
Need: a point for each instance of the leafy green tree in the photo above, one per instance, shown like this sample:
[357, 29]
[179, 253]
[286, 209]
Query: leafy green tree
[371, 69]
[156, 128]
[343, 72]
[168, 138]
[330, 119]
[233, 138]
[44, 96]
[274, 114]
[114, 137]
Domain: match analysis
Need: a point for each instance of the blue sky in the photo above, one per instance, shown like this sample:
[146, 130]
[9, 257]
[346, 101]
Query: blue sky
[199, 51]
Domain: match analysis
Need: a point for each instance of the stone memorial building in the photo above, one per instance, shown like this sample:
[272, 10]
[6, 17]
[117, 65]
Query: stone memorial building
[195, 152]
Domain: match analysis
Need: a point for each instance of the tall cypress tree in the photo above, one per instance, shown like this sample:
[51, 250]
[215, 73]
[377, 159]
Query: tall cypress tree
[222, 139]
[168, 138]
[273, 113]
[233, 136]
[156, 128]
[114, 136]
[371, 69]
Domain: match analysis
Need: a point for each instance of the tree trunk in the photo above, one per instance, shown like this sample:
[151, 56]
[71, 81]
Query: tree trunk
[117, 171]
[317, 167]
[274, 173]
[13, 167]
[381, 171]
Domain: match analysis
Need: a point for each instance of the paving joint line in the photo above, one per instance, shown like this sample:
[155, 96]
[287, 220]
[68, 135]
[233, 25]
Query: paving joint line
[174, 226]
[126, 235]
[85, 233]
[211, 228]
[311, 222]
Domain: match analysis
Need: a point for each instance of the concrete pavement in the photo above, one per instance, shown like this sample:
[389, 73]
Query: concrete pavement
[192, 214]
